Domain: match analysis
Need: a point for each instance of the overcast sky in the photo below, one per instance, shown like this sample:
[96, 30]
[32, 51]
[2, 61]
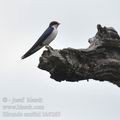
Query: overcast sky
[21, 24]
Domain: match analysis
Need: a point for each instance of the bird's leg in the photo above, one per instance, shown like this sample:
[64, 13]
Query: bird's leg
[48, 47]
[87, 80]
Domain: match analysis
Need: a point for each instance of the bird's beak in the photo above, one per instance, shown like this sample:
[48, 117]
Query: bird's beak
[59, 23]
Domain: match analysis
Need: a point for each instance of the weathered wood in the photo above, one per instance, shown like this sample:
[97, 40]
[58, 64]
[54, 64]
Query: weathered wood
[100, 61]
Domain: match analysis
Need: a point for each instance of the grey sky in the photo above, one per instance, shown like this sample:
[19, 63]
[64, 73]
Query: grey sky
[21, 24]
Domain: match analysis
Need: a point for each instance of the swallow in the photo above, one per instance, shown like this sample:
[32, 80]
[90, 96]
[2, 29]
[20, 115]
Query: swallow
[45, 39]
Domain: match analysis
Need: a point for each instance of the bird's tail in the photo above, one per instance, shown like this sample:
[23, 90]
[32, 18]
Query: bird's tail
[31, 51]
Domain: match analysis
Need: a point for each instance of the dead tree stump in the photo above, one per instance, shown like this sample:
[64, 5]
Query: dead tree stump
[100, 61]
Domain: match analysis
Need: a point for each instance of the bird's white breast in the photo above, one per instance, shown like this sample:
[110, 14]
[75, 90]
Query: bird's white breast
[51, 37]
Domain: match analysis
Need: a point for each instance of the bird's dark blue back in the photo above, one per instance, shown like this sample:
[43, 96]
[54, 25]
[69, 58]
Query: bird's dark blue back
[44, 36]
[39, 42]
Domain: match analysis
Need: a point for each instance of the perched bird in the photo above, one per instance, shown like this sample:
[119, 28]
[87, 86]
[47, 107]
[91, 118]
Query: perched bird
[46, 38]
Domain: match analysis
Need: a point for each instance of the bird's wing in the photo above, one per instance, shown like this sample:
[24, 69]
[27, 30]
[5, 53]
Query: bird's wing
[38, 45]
[44, 36]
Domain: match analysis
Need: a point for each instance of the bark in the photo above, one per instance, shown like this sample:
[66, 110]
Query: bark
[100, 61]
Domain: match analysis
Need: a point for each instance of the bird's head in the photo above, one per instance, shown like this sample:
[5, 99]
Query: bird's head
[54, 24]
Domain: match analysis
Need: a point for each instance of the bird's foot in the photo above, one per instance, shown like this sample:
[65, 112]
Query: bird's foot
[49, 48]
[87, 80]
